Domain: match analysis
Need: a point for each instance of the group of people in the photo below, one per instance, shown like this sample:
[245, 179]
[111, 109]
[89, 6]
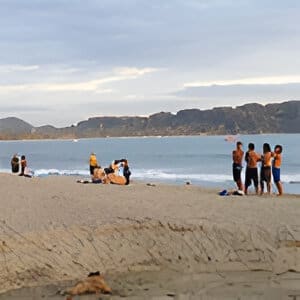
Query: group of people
[270, 165]
[117, 173]
[19, 166]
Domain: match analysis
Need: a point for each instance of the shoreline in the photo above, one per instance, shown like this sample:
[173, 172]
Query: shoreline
[56, 230]
[71, 139]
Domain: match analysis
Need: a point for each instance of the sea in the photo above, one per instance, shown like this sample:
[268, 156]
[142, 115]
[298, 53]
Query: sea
[199, 160]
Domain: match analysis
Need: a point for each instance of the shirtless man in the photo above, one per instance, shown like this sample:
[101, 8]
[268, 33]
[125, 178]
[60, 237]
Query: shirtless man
[251, 158]
[265, 172]
[237, 157]
[276, 168]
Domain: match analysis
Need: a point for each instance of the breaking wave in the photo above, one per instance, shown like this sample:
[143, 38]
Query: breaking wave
[156, 174]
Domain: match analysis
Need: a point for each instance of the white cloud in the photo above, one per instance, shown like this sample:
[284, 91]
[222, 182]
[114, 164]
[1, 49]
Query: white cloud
[17, 68]
[276, 80]
[134, 72]
[119, 74]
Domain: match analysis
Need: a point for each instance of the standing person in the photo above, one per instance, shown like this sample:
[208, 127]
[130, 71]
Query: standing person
[251, 158]
[276, 168]
[265, 171]
[93, 163]
[15, 164]
[237, 157]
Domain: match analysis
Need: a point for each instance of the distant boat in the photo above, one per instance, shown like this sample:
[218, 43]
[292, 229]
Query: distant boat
[75, 140]
[230, 138]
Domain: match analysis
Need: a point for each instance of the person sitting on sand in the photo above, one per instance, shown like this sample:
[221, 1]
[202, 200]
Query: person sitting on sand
[126, 172]
[251, 158]
[265, 171]
[276, 168]
[15, 164]
[93, 163]
[99, 176]
[237, 157]
[24, 169]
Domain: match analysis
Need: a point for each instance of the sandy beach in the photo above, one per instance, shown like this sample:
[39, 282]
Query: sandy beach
[158, 238]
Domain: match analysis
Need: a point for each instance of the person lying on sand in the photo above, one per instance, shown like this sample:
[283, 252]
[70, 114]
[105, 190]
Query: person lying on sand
[118, 172]
[94, 283]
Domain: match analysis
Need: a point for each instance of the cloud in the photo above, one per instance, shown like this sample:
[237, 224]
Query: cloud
[272, 80]
[229, 93]
[63, 53]
[119, 74]
[17, 68]
[134, 72]
[261, 89]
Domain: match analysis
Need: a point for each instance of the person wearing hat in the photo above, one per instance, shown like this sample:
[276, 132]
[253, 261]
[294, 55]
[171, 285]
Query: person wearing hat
[93, 163]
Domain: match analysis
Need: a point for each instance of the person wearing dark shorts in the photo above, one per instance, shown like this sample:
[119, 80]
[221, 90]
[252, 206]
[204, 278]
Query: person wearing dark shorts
[251, 170]
[237, 157]
[265, 171]
[251, 175]
[265, 174]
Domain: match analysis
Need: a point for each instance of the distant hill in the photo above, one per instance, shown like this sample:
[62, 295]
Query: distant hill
[13, 128]
[247, 119]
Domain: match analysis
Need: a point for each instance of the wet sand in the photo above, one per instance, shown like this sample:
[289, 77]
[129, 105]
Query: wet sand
[151, 242]
[168, 285]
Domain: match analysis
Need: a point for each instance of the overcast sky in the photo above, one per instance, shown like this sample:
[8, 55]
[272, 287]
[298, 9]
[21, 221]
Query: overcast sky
[62, 61]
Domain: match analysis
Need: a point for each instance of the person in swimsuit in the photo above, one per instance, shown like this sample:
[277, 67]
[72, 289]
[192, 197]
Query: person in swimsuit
[276, 168]
[237, 157]
[115, 176]
[265, 171]
[251, 158]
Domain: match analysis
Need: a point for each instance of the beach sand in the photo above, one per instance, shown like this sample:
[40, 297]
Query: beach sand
[150, 242]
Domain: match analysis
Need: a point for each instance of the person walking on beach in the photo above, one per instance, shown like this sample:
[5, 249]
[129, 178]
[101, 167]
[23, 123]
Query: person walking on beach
[251, 158]
[265, 171]
[93, 163]
[276, 168]
[237, 157]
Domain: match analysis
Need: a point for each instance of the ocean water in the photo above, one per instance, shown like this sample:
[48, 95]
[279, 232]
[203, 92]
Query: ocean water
[202, 160]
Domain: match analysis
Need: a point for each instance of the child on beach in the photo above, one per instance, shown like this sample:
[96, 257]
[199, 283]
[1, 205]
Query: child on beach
[276, 168]
[265, 171]
[237, 157]
[251, 158]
